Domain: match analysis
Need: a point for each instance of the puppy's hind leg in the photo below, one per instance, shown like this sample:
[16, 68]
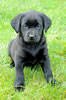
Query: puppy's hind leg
[12, 64]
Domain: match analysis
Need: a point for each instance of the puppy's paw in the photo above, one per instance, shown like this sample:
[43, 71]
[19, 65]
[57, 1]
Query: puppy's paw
[12, 65]
[19, 88]
[52, 80]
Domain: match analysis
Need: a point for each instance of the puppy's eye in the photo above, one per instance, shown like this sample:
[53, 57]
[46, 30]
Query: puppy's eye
[38, 26]
[26, 26]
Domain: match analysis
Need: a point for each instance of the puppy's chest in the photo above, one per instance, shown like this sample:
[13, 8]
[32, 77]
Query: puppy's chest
[33, 57]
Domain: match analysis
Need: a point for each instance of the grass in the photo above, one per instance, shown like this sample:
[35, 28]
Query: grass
[36, 87]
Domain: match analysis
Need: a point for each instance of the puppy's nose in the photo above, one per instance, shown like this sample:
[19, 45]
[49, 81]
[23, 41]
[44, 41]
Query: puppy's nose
[31, 36]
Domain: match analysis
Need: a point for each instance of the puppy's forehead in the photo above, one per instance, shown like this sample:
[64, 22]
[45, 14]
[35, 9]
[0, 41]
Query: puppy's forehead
[32, 16]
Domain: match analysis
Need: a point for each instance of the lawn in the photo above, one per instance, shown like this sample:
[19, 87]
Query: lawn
[36, 87]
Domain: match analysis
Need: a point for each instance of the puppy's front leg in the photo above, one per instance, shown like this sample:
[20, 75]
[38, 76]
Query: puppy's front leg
[47, 70]
[19, 81]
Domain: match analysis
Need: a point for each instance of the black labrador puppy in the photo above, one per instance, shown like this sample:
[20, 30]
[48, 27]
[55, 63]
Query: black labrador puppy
[29, 47]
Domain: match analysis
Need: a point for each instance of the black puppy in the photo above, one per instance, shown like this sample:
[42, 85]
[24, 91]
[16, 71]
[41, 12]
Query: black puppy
[29, 47]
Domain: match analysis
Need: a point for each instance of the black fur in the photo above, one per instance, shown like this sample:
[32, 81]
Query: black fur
[29, 47]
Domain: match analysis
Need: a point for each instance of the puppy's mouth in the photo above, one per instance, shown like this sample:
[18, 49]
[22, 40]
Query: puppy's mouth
[31, 41]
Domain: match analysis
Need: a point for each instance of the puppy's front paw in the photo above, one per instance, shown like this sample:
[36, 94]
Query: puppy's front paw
[19, 85]
[19, 88]
[53, 81]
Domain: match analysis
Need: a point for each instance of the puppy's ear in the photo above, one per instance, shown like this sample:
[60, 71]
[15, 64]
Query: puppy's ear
[46, 22]
[15, 22]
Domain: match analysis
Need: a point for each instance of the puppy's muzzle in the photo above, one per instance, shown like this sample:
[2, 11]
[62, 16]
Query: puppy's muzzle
[31, 36]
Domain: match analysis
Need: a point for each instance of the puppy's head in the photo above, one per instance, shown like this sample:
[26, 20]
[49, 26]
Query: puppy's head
[30, 25]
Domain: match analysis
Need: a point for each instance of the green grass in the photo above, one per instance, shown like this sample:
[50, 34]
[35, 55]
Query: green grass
[36, 87]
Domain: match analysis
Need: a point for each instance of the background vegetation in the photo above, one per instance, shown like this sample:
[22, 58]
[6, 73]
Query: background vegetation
[36, 87]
